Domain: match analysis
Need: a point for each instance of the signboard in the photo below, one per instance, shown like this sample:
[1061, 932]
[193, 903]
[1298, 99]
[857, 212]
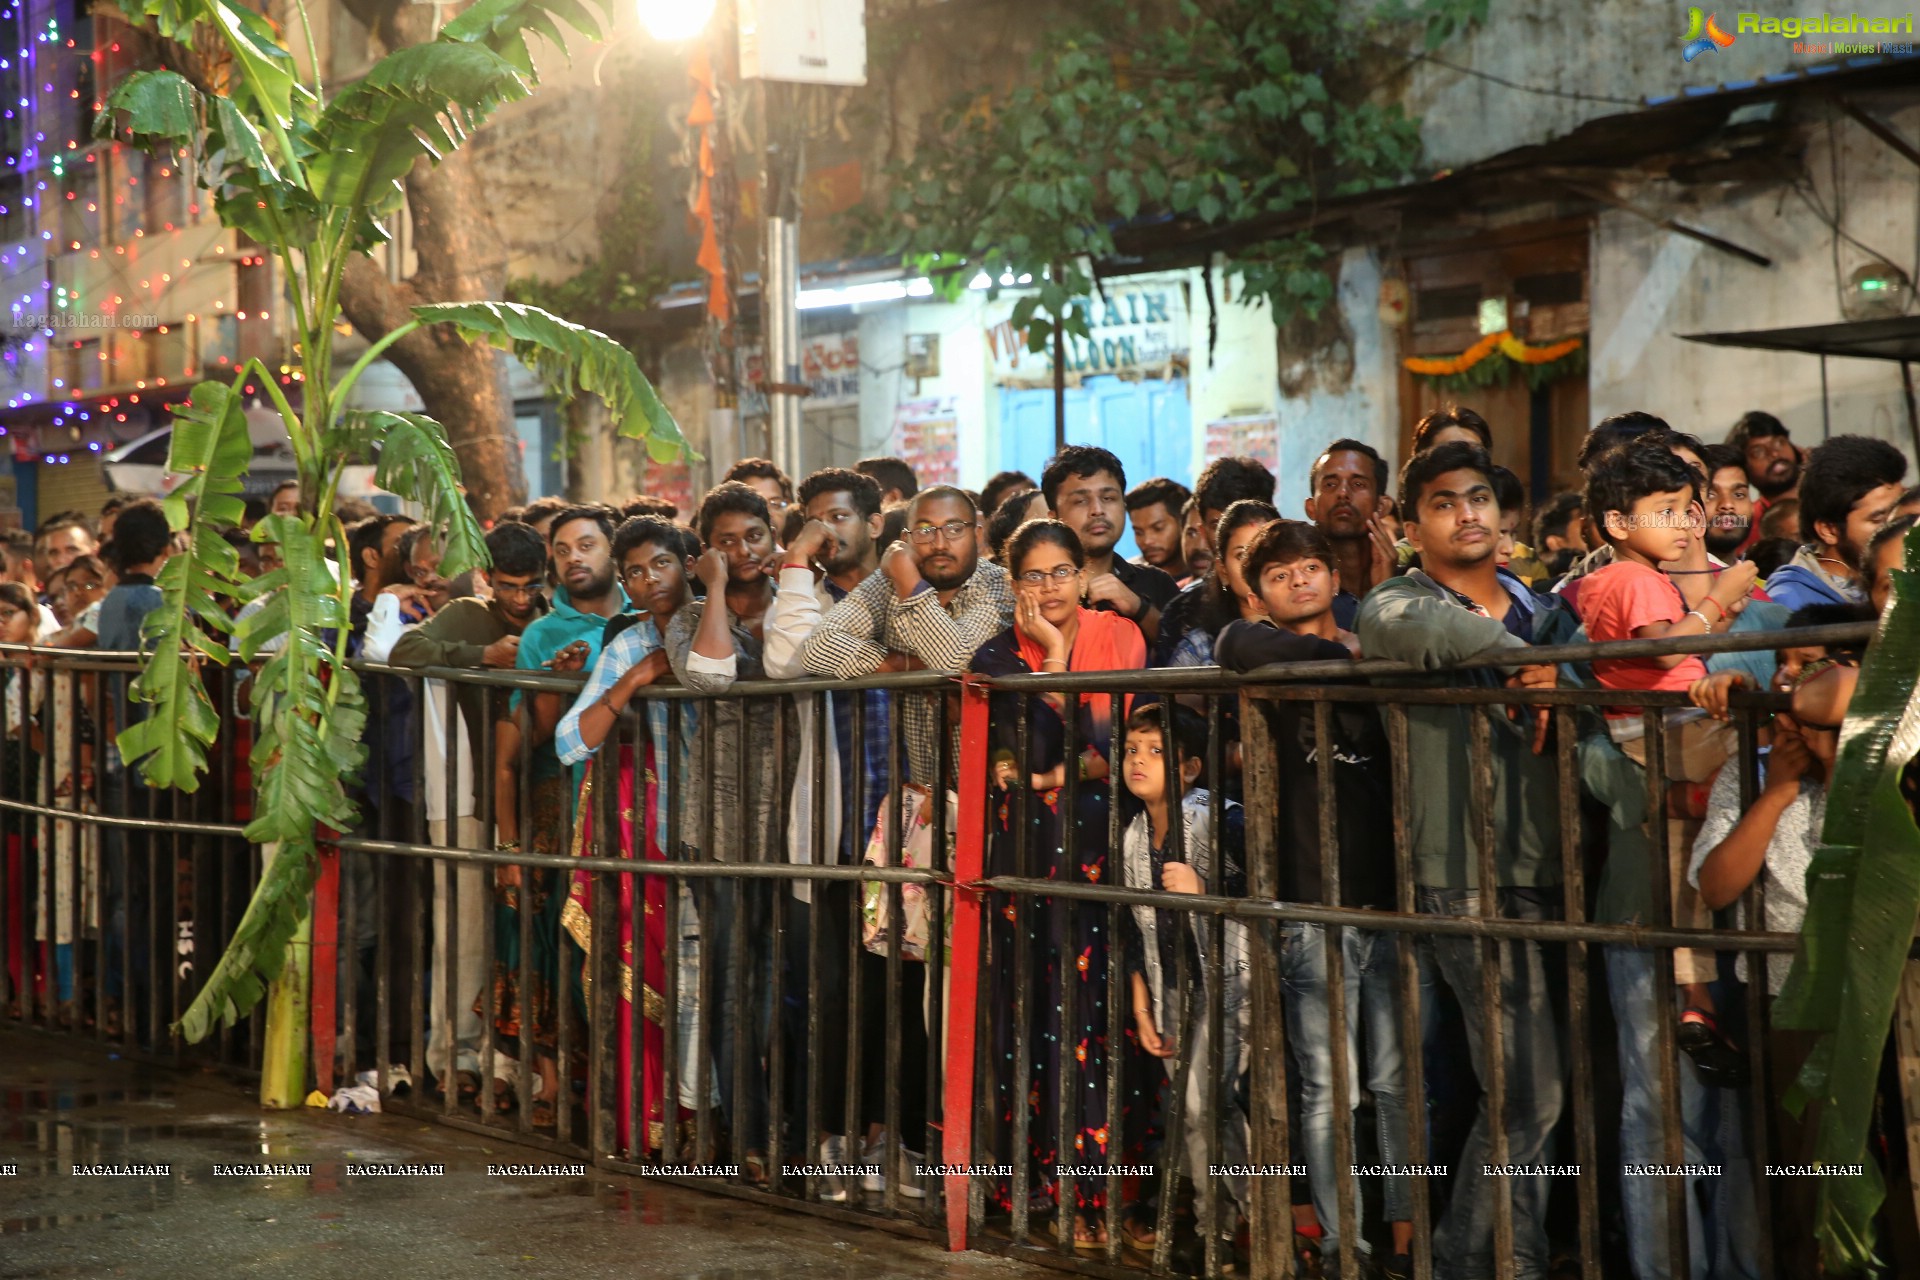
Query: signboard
[829, 365]
[1139, 327]
[926, 433]
[804, 41]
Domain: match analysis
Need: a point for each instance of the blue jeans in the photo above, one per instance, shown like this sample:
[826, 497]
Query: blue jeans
[1720, 1211]
[1535, 1079]
[1371, 1003]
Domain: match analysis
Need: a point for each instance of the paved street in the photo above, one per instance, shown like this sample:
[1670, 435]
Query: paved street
[64, 1108]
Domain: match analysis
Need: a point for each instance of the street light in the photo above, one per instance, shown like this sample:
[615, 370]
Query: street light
[672, 21]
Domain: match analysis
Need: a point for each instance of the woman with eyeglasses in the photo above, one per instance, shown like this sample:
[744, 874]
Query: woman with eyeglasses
[1029, 826]
[76, 594]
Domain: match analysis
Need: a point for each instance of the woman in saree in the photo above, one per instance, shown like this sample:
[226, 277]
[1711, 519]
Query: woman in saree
[1054, 632]
[651, 557]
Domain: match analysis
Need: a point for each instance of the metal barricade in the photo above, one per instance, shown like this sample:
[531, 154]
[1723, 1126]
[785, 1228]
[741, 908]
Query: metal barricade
[659, 982]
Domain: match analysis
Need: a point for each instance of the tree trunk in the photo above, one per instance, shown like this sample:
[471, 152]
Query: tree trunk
[461, 259]
[590, 462]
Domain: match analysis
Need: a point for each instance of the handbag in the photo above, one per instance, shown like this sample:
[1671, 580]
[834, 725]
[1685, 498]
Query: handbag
[916, 850]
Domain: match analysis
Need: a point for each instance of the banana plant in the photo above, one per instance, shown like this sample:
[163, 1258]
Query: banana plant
[1863, 898]
[316, 179]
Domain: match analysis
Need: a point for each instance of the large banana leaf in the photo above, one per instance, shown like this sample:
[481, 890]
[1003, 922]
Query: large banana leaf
[424, 100]
[299, 758]
[1863, 897]
[572, 358]
[161, 112]
[417, 463]
[257, 952]
[211, 449]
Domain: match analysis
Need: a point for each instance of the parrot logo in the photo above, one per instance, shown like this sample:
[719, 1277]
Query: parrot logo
[1703, 35]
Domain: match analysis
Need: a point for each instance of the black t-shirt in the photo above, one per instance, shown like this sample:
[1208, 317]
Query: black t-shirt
[1363, 786]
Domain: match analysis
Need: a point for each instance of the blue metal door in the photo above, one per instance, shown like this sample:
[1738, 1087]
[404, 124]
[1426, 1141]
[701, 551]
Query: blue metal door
[1147, 424]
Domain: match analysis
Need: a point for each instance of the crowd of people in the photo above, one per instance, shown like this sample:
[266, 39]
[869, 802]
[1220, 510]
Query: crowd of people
[852, 572]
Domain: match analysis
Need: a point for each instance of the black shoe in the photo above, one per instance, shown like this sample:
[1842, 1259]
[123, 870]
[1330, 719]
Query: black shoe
[1717, 1059]
[1398, 1267]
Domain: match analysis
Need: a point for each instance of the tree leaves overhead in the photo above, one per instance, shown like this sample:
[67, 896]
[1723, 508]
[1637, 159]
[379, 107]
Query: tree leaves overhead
[417, 463]
[1215, 114]
[501, 26]
[211, 449]
[1863, 897]
[265, 67]
[572, 358]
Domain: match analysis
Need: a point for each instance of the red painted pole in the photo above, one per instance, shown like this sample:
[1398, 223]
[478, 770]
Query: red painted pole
[963, 974]
[326, 932]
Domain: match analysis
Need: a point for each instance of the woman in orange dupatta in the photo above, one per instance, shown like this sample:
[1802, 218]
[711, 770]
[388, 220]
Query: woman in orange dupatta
[1053, 632]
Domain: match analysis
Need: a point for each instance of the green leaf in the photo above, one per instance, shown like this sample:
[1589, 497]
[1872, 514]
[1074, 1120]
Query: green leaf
[418, 464]
[572, 358]
[1863, 897]
[156, 108]
[298, 764]
[424, 100]
[266, 69]
[257, 952]
[211, 450]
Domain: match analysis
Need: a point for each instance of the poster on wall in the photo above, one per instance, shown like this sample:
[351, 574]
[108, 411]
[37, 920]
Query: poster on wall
[829, 365]
[1138, 328]
[1256, 436]
[927, 434]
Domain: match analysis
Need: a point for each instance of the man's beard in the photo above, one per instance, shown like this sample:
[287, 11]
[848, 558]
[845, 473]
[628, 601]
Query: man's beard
[853, 557]
[962, 570]
[1724, 542]
[596, 589]
[1775, 489]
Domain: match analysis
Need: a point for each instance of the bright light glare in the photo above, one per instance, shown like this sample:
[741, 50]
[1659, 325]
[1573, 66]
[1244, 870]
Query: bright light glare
[671, 21]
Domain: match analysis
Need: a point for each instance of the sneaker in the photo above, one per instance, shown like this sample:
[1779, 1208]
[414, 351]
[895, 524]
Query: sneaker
[1717, 1059]
[912, 1186]
[833, 1156]
[1398, 1267]
[874, 1177]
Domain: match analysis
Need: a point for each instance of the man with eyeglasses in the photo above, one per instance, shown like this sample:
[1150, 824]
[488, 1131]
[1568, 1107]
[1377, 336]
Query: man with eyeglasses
[1087, 489]
[481, 630]
[933, 602]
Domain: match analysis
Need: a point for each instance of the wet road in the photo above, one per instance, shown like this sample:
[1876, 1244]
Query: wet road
[64, 1108]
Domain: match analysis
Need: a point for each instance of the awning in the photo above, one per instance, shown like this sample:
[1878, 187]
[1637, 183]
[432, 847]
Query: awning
[1896, 339]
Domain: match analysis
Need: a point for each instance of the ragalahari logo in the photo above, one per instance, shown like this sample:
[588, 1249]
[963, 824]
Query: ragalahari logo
[1703, 35]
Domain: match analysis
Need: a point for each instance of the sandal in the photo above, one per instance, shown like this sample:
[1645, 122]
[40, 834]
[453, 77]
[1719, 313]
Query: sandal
[755, 1165]
[1717, 1059]
[1139, 1233]
[541, 1114]
[1089, 1239]
[505, 1096]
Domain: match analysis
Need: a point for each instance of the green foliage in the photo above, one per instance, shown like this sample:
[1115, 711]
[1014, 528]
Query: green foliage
[420, 101]
[212, 450]
[312, 181]
[1232, 112]
[571, 358]
[1863, 897]
[307, 704]
[257, 952]
[417, 463]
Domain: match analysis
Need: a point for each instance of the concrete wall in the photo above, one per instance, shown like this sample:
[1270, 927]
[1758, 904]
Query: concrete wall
[1650, 286]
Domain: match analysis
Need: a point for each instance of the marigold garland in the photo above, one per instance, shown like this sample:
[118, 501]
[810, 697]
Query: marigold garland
[1504, 342]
